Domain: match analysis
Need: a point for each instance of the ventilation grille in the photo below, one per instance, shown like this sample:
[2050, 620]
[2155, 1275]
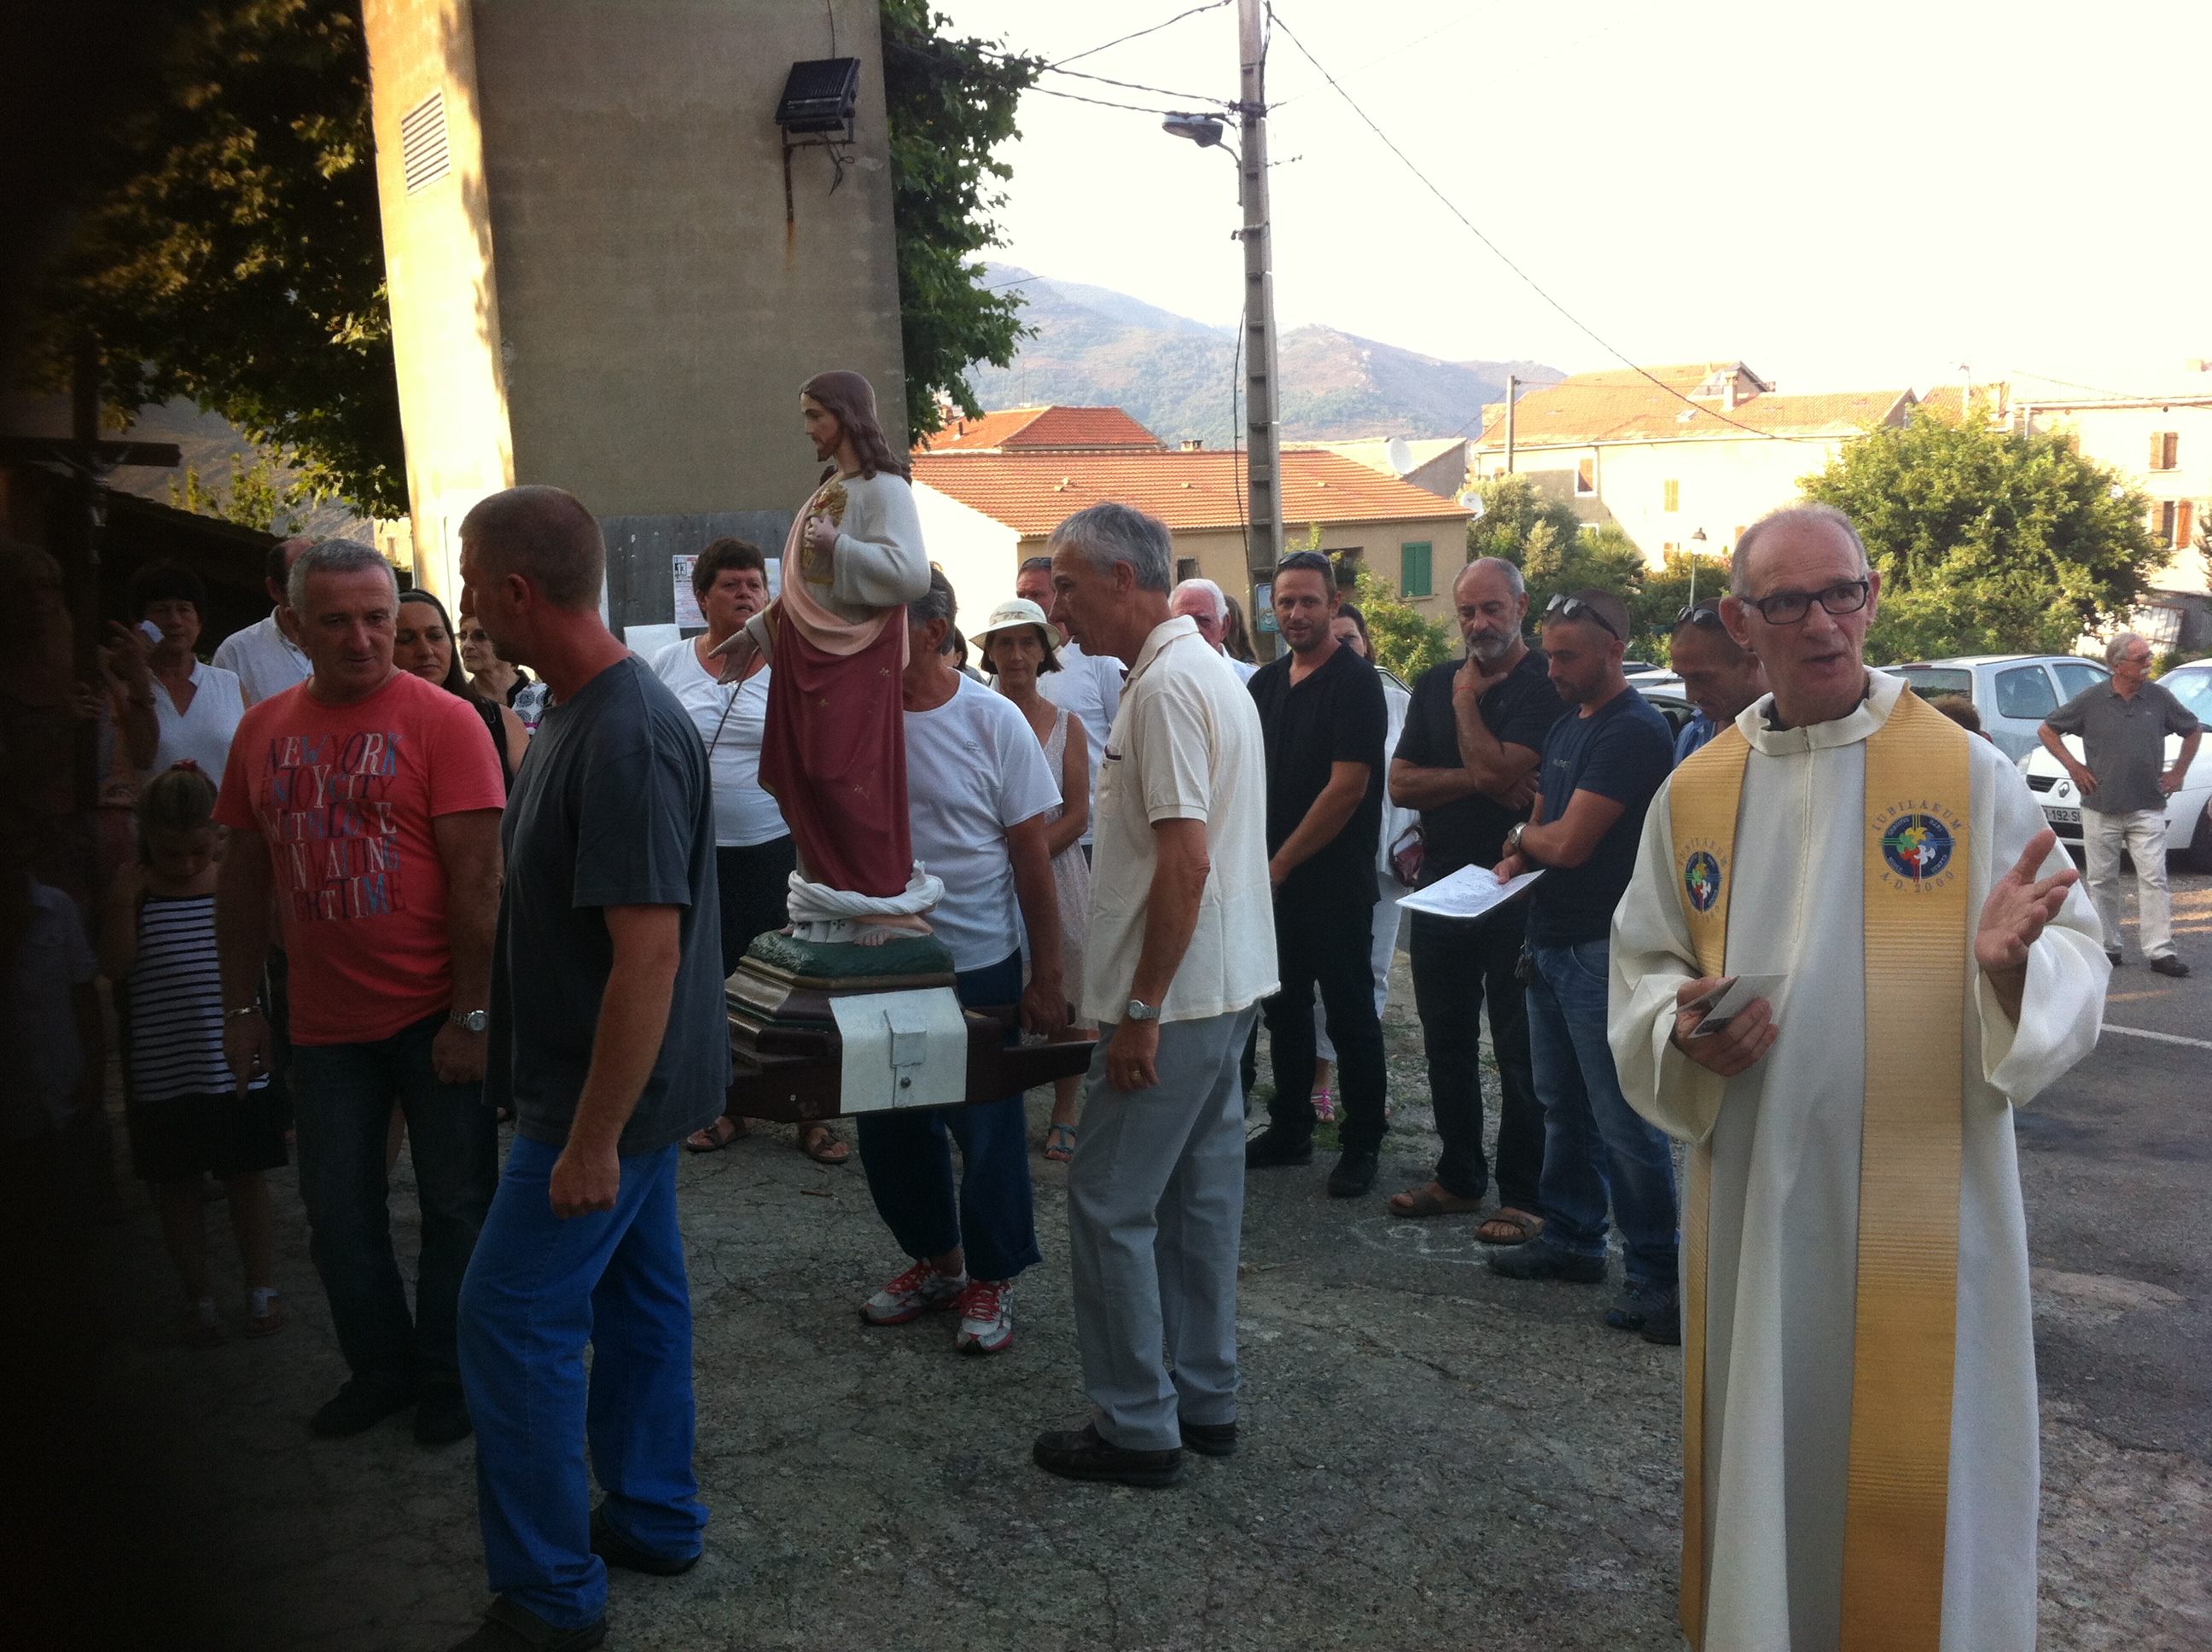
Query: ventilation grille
[422, 148]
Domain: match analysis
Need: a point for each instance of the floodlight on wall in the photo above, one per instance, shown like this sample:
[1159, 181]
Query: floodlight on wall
[817, 111]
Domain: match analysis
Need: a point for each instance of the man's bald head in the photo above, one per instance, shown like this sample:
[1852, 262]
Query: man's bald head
[546, 536]
[1793, 521]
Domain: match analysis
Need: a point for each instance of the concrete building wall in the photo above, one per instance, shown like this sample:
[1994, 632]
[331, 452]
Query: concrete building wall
[1721, 486]
[618, 266]
[979, 555]
[2120, 438]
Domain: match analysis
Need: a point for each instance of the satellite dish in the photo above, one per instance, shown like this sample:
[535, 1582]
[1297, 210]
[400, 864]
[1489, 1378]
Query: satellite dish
[1400, 452]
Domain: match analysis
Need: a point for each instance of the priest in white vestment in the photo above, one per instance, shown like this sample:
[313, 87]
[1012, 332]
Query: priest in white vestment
[1781, 1097]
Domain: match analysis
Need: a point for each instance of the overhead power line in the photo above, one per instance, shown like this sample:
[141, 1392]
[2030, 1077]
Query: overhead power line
[1104, 103]
[1583, 327]
[1092, 51]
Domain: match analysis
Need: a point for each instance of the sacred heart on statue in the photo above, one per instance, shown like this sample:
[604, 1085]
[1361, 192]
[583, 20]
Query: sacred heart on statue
[819, 567]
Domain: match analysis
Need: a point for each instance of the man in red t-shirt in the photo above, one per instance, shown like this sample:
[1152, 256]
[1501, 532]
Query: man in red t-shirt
[364, 807]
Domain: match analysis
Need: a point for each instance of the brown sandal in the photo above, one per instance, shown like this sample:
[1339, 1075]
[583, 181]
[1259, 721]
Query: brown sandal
[818, 1144]
[715, 1137]
[1519, 1227]
[1431, 1201]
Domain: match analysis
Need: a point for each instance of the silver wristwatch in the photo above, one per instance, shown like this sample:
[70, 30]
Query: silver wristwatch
[475, 1021]
[1140, 1011]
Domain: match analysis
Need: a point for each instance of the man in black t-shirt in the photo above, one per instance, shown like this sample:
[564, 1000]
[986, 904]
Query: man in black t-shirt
[610, 1041]
[1474, 735]
[1601, 767]
[1323, 714]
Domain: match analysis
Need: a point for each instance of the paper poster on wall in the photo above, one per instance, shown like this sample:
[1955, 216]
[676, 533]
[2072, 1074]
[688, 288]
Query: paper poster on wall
[1263, 607]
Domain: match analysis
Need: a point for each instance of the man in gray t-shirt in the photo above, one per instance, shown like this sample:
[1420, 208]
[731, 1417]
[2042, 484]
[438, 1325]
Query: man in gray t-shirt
[2124, 783]
[609, 1041]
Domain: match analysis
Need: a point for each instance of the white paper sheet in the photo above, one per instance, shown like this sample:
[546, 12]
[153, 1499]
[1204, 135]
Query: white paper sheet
[1468, 893]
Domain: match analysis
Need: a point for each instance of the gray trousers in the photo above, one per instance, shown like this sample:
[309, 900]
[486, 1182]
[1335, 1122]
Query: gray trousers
[1155, 1213]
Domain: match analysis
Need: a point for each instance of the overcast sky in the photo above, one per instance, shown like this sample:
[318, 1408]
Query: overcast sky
[1843, 196]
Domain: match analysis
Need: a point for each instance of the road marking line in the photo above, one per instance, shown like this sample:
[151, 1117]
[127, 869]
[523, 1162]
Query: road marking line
[2163, 1038]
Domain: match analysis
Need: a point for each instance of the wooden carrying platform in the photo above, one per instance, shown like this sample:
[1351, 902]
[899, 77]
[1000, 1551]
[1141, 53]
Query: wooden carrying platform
[793, 1074]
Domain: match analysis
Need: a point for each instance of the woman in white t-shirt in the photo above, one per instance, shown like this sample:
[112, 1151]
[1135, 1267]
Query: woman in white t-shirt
[754, 857]
[1017, 647]
[197, 706]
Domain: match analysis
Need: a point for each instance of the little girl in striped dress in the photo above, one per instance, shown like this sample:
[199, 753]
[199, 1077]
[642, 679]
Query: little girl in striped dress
[186, 1120]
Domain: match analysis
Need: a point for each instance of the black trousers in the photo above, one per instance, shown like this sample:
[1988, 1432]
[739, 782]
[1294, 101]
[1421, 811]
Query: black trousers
[1327, 946]
[756, 885]
[1456, 966]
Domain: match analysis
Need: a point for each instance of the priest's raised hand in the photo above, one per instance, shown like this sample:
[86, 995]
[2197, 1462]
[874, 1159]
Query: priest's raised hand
[2019, 905]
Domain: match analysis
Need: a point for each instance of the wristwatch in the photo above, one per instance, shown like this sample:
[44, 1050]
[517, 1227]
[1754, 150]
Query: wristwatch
[475, 1021]
[1513, 836]
[1140, 1011]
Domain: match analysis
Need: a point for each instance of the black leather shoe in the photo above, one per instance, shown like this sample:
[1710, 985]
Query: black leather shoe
[441, 1416]
[1208, 1439]
[1541, 1259]
[1354, 1176]
[1645, 1307]
[2169, 965]
[1079, 1453]
[1274, 1147]
[359, 1406]
[509, 1628]
[616, 1550]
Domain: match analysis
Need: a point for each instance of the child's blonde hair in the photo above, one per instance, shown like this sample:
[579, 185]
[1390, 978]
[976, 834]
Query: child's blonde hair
[180, 799]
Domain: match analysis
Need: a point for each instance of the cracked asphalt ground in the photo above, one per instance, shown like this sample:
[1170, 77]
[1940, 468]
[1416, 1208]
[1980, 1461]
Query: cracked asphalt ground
[1434, 1457]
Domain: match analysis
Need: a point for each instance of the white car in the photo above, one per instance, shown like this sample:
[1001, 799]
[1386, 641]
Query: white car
[2188, 832]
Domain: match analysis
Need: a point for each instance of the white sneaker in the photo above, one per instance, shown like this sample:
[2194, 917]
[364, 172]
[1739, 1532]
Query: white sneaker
[987, 1316]
[914, 1293]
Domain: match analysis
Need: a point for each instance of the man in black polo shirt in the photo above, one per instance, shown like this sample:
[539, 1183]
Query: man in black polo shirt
[1474, 735]
[1323, 714]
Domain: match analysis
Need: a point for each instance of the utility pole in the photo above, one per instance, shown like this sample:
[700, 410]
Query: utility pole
[1263, 435]
[1510, 381]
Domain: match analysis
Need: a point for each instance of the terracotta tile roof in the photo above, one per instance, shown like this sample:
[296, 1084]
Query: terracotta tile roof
[1576, 414]
[1032, 493]
[1041, 429]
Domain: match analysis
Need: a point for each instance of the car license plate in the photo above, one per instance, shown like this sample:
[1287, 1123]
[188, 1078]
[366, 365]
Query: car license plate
[2062, 816]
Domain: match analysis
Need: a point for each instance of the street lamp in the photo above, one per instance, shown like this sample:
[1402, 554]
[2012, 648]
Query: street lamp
[1697, 540]
[1204, 130]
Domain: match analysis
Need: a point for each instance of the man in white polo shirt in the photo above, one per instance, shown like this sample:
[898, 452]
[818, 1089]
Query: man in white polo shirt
[1087, 686]
[263, 657]
[1182, 948]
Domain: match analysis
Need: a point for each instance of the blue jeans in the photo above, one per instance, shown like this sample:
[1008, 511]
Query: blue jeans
[343, 1094]
[907, 1154]
[1594, 1144]
[541, 1288]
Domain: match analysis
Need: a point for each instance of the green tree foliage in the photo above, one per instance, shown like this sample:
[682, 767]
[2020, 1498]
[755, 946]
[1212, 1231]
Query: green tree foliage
[234, 255]
[1406, 644]
[1665, 592]
[1988, 542]
[262, 494]
[950, 103]
[1513, 509]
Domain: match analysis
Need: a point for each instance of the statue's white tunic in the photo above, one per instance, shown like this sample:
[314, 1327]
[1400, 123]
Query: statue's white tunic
[1783, 1261]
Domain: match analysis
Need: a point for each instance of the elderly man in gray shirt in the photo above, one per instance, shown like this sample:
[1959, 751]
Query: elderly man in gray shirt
[2124, 783]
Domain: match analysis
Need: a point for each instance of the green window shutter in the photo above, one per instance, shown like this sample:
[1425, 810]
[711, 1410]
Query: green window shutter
[1413, 565]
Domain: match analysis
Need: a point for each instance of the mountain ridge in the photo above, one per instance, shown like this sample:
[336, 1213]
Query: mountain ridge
[1095, 347]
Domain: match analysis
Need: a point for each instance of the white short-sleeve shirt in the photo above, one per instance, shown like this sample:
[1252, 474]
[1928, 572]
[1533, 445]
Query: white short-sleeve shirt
[1185, 746]
[730, 721]
[264, 660]
[1088, 687]
[973, 768]
[203, 733]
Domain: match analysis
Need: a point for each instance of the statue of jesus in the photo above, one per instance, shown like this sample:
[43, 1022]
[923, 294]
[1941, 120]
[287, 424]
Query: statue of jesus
[834, 752]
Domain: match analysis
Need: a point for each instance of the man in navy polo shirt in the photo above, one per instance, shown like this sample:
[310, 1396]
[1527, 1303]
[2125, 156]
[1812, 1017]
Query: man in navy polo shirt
[1601, 767]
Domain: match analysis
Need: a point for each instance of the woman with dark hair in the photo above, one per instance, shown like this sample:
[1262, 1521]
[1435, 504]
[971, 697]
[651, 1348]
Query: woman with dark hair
[197, 705]
[1236, 642]
[423, 644]
[495, 679]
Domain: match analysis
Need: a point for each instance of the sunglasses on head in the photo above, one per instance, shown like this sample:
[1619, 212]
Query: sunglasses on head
[1574, 608]
[1311, 560]
[1699, 614]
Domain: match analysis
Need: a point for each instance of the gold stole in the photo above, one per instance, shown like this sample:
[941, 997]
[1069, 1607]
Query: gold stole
[1918, 806]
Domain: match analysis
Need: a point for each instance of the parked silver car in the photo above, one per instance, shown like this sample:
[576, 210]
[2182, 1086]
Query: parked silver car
[2013, 693]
